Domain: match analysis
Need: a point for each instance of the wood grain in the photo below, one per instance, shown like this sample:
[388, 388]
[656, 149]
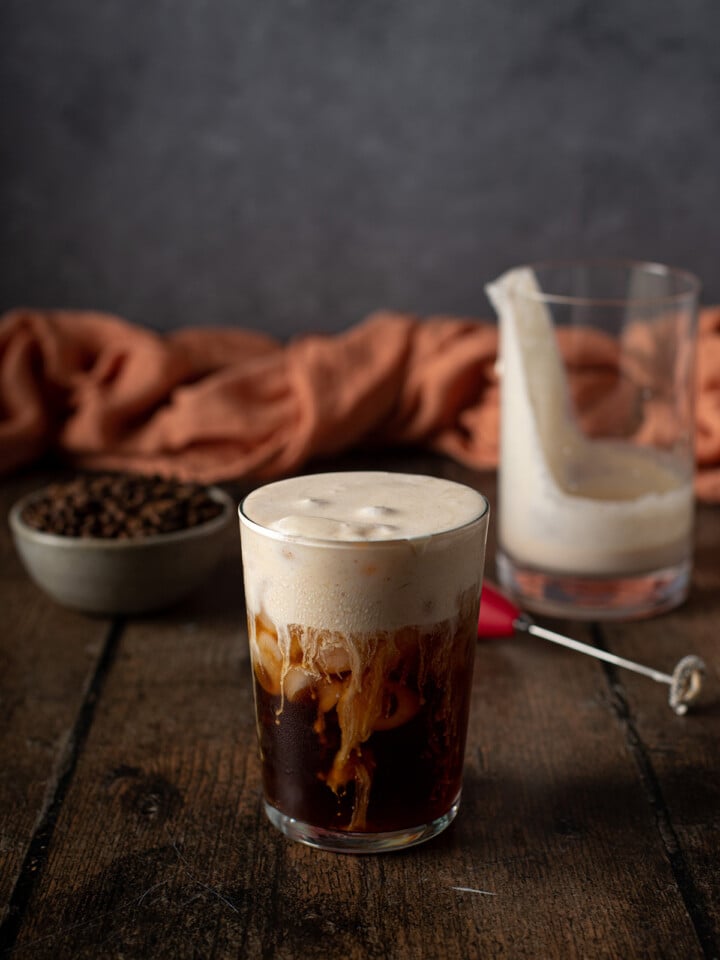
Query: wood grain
[560, 849]
[48, 657]
[678, 757]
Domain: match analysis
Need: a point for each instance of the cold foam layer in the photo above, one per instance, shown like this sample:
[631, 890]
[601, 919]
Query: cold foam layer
[361, 552]
[568, 503]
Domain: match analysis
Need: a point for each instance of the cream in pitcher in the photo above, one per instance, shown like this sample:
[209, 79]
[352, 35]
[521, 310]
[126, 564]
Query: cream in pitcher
[570, 504]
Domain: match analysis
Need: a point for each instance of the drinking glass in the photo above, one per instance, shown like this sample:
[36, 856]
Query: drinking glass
[596, 445]
[362, 594]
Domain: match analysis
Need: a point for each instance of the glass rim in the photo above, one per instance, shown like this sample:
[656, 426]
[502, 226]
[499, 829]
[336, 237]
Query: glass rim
[396, 542]
[691, 280]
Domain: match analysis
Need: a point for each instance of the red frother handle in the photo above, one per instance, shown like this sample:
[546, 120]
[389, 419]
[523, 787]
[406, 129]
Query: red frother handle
[497, 613]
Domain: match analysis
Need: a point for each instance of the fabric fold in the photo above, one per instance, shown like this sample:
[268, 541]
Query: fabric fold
[223, 404]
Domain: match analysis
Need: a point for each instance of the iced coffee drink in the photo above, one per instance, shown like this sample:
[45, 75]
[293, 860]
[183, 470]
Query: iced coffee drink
[362, 593]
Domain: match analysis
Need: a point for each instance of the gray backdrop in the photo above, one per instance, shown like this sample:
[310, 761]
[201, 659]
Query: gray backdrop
[293, 165]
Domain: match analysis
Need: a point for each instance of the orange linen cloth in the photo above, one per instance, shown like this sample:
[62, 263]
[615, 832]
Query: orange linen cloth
[220, 404]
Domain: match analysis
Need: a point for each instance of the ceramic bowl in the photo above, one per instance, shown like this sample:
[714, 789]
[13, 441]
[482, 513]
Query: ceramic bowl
[132, 576]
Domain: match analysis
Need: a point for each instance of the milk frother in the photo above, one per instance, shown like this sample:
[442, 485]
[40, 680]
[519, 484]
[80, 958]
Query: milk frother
[499, 617]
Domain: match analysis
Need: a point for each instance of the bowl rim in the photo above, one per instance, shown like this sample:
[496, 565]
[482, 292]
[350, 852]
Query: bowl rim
[22, 529]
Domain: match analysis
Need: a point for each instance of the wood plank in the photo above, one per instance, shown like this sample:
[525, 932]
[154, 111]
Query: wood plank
[159, 809]
[161, 844]
[678, 756]
[48, 657]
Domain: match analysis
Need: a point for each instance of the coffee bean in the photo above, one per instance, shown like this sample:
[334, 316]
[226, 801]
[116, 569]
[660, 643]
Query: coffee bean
[120, 506]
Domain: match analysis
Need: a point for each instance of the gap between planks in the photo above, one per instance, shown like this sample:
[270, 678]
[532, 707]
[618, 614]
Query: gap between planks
[692, 898]
[37, 852]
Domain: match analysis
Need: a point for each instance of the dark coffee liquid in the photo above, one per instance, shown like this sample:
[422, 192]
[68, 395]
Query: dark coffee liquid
[411, 763]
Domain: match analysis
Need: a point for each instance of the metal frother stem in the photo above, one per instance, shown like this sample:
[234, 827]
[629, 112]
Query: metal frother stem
[685, 682]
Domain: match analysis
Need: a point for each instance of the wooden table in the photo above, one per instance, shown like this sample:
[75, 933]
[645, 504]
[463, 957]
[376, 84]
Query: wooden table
[130, 812]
